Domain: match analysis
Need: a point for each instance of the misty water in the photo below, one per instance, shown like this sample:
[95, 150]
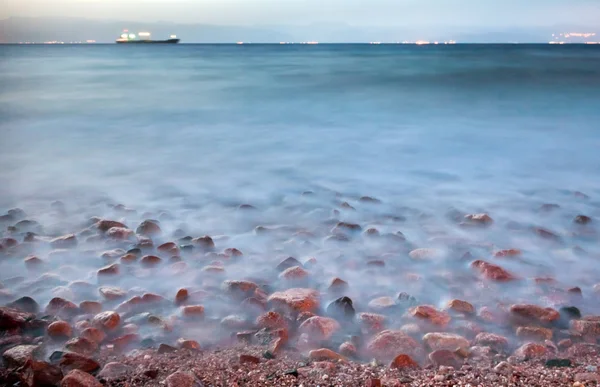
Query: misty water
[186, 134]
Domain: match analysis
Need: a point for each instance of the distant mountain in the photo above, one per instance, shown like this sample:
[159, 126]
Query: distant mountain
[19, 29]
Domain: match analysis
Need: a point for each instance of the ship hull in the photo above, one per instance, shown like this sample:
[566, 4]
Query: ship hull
[168, 41]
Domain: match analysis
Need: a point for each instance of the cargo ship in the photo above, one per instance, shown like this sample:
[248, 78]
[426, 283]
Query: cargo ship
[143, 38]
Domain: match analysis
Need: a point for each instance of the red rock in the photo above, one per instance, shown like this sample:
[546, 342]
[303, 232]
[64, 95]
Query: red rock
[442, 340]
[382, 304]
[534, 333]
[323, 354]
[122, 342]
[233, 252]
[546, 234]
[371, 322]
[565, 344]
[240, 289]
[249, 359]
[94, 335]
[81, 345]
[8, 242]
[112, 293]
[582, 219]
[373, 382]
[64, 242]
[214, 269]
[319, 328]
[90, 307]
[492, 272]
[372, 232]
[534, 313]
[150, 260]
[59, 330]
[461, 307]
[430, 314]
[479, 219]
[587, 326]
[497, 342]
[105, 225]
[193, 311]
[74, 361]
[129, 258]
[403, 362]
[169, 248]
[113, 254]
[293, 273]
[507, 253]
[183, 379]
[119, 233]
[347, 349]
[344, 226]
[271, 320]
[188, 344]
[297, 299]
[12, 318]
[40, 373]
[77, 378]
[110, 270]
[204, 242]
[181, 297]
[531, 351]
[444, 357]
[149, 228]
[19, 355]
[61, 307]
[107, 320]
[388, 344]
[338, 285]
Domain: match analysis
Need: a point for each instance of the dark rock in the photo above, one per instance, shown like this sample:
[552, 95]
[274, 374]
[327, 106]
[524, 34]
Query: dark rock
[19, 355]
[268, 355]
[151, 373]
[582, 219]
[164, 348]
[11, 318]
[287, 263]
[249, 359]
[74, 361]
[555, 363]
[40, 374]
[341, 308]
[293, 372]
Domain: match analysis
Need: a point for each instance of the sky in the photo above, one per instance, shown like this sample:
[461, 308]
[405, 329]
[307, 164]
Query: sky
[477, 13]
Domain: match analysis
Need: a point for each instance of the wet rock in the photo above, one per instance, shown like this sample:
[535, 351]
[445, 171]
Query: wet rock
[32, 262]
[388, 344]
[460, 306]
[59, 330]
[442, 340]
[90, 307]
[382, 304]
[492, 272]
[271, 320]
[23, 304]
[77, 378]
[193, 311]
[369, 199]
[19, 355]
[165, 348]
[114, 370]
[61, 307]
[531, 351]
[183, 379]
[534, 313]
[287, 263]
[546, 234]
[123, 342]
[403, 362]
[341, 309]
[296, 299]
[108, 320]
[105, 225]
[64, 242]
[112, 293]
[479, 219]
[74, 361]
[444, 357]
[507, 253]
[108, 271]
[148, 228]
[204, 242]
[150, 260]
[40, 373]
[81, 345]
[168, 248]
[181, 297]
[371, 322]
[324, 354]
[319, 328]
[431, 315]
[534, 334]
[582, 219]
[346, 227]
[294, 273]
[188, 344]
[497, 342]
[338, 285]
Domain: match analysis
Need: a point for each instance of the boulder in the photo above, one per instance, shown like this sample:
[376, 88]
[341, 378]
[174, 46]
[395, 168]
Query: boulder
[77, 378]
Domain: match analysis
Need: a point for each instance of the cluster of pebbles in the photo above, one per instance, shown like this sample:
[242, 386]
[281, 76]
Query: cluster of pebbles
[347, 293]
